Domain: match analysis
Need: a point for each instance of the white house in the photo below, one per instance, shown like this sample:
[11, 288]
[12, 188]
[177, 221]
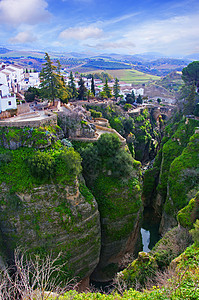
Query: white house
[138, 92]
[7, 101]
[30, 80]
[14, 76]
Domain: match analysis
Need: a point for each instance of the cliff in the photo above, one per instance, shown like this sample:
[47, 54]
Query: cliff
[173, 180]
[44, 208]
[115, 180]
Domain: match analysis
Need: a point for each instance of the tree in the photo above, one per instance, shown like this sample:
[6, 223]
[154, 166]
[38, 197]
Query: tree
[31, 94]
[189, 101]
[159, 100]
[82, 89]
[190, 74]
[95, 114]
[92, 85]
[130, 98]
[108, 144]
[139, 99]
[116, 88]
[49, 78]
[107, 89]
[63, 92]
[72, 86]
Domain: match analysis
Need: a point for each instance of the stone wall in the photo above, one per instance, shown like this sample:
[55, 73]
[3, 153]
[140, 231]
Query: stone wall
[51, 120]
[23, 108]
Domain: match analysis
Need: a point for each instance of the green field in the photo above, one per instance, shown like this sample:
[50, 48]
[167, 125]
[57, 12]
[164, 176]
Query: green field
[130, 75]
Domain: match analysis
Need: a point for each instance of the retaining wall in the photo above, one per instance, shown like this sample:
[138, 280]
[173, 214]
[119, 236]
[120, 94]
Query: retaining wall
[51, 120]
[123, 140]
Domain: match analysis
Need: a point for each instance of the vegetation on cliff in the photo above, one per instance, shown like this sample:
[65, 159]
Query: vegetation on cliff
[113, 177]
[44, 207]
[181, 282]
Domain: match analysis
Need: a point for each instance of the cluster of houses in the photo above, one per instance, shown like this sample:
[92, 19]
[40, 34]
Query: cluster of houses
[15, 80]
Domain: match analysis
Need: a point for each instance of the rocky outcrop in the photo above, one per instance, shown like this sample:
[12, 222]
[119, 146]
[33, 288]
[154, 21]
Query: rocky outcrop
[147, 265]
[52, 219]
[13, 138]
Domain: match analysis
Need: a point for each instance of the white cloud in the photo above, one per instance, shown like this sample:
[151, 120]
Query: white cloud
[81, 33]
[170, 35]
[16, 12]
[23, 38]
[113, 45]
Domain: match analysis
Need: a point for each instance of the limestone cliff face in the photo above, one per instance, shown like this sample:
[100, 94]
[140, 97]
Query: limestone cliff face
[183, 182]
[173, 180]
[53, 218]
[120, 212]
[113, 251]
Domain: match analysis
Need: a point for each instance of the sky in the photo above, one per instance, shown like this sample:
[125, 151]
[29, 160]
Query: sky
[101, 26]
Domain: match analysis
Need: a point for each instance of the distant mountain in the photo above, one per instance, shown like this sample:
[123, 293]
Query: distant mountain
[4, 50]
[194, 56]
[149, 56]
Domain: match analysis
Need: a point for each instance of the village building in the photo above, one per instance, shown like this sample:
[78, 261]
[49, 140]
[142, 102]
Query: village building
[7, 100]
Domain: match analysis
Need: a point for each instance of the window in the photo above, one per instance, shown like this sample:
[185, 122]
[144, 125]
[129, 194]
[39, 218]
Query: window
[9, 103]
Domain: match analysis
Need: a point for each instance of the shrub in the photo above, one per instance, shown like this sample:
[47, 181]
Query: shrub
[195, 232]
[68, 163]
[121, 164]
[42, 165]
[108, 144]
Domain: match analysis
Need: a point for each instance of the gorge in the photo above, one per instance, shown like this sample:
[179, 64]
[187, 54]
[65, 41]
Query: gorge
[93, 216]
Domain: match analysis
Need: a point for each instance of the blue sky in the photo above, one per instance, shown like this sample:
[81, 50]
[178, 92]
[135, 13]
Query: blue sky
[93, 26]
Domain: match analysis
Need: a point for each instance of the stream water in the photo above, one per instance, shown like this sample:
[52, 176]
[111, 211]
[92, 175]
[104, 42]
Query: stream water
[150, 229]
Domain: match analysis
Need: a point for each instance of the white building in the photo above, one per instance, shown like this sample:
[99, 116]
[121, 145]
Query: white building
[30, 80]
[7, 101]
[14, 76]
[138, 92]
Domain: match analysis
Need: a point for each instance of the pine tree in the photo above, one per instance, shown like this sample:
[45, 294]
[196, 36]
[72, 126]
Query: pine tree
[107, 89]
[82, 89]
[52, 83]
[49, 78]
[139, 99]
[116, 89]
[92, 85]
[72, 86]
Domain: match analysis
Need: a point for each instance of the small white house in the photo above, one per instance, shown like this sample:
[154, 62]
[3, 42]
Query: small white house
[7, 101]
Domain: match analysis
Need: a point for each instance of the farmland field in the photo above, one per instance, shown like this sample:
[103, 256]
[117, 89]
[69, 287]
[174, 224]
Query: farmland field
[130, 76]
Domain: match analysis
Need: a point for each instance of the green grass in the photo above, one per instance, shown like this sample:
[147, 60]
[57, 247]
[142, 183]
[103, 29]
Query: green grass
[130, 75]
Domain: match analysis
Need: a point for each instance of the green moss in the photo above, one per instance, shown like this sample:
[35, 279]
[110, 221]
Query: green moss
[187, 216]
[139, 270]
[176, 139]
[86, 193]
[183, 176]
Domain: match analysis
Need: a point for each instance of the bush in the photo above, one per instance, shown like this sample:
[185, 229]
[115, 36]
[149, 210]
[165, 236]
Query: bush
[195, 233]
[95, 114]
[68, 163]
[42, 165]
[121, 164]
[108, 144]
